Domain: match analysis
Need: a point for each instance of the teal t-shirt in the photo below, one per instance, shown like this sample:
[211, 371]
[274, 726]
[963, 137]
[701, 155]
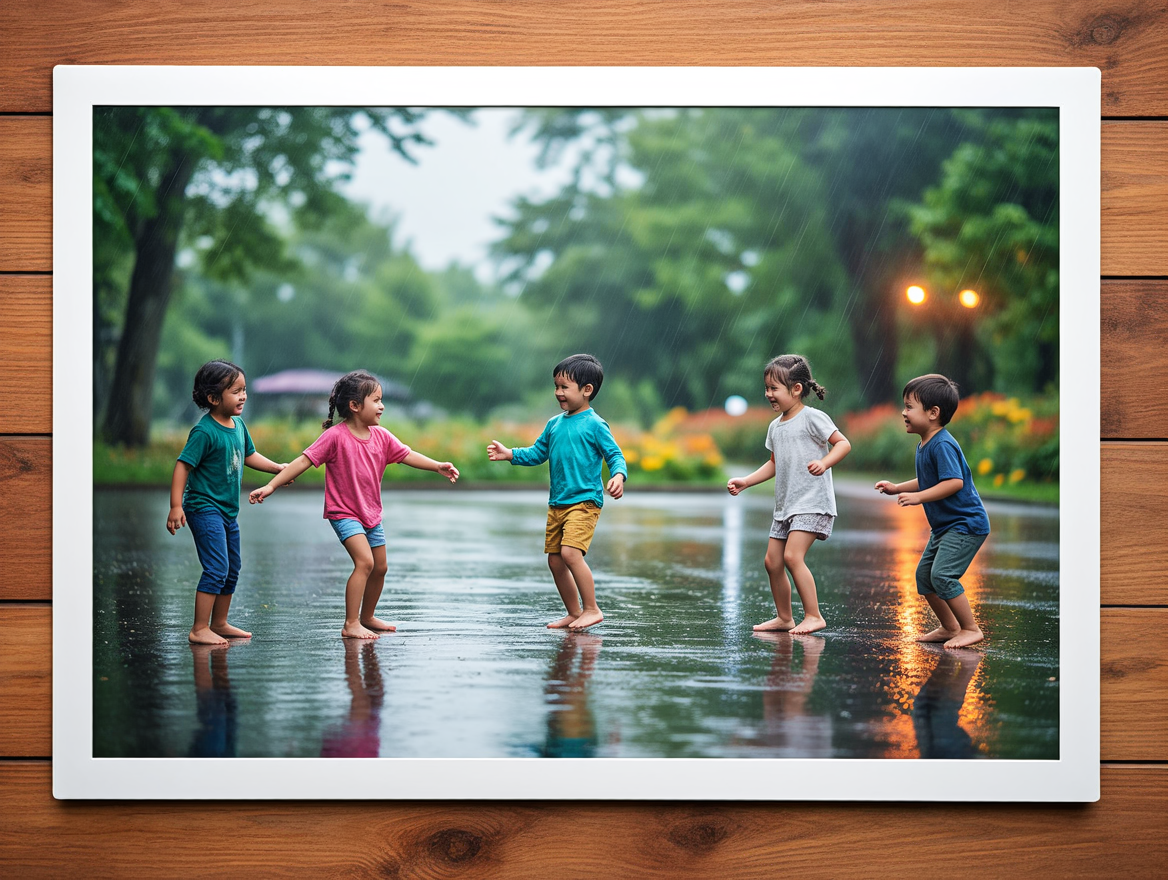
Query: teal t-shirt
[574, 447]
[216, 455]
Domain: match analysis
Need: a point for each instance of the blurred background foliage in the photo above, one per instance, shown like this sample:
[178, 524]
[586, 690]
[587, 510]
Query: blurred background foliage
[686, 249]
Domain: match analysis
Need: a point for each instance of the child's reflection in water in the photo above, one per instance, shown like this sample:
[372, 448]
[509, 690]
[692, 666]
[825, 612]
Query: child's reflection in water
[938, 706]
[788, 730]
[571, 729]
[214, 704]
[359, 735]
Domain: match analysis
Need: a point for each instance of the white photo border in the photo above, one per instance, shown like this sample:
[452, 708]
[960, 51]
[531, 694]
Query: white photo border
[1074, 776]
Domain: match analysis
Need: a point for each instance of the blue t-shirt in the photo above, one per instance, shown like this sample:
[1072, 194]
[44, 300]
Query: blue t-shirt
[216, 455]
[574, 447]
[941, 459]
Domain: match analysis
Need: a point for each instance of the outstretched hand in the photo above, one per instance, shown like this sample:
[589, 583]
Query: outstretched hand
[448, 470]
[257, 496]
[736, 485]
[496, 451]
[886, 488]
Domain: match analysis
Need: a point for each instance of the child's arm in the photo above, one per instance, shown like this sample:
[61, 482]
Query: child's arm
[290, 472]
[258, 462]
[884, 487]
[528, 456]
[615, 459]
[943, 489]
[839, 448]
[422, 463]
[176, 519]
[764, 473]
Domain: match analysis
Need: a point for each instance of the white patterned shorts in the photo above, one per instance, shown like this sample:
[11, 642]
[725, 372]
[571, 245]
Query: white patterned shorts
[818, 523]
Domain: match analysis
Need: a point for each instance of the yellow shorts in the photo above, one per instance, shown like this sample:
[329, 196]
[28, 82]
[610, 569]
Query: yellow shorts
[571, 526]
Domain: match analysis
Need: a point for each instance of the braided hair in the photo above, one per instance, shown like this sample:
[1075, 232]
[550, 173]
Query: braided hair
[352, 387]
[791, 370]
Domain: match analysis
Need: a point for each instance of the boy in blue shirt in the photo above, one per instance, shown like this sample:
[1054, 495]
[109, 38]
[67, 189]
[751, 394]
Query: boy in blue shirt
[574, 442]
[944, 485]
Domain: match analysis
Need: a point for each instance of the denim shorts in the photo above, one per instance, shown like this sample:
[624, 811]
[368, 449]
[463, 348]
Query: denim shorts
[346, 528]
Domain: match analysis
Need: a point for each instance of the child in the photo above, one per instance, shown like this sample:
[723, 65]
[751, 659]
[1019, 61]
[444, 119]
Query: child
[944, 485]
[204, 494]
[357, 451]
[574, 442]
[804, 445]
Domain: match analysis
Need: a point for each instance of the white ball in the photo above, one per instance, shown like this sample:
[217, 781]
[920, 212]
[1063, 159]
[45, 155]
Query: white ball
[736, 405]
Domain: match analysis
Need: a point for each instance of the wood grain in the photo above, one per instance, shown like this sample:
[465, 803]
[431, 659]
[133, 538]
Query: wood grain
[26, 193]
[26, 349]
[43, 837]
[1127, 40]
[1134, 359]
[26, 681]
[1133, 212]
[26, 492]
[1134, 561]
[1134, 682]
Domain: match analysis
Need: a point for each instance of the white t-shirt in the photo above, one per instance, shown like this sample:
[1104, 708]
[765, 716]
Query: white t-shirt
[794, 443]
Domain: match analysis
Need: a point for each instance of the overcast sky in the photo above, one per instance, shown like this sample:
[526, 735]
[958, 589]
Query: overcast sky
[444, 204]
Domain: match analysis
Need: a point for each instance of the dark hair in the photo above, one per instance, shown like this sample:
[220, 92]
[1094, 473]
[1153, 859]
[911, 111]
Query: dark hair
[934, 390]
[213, 378]
[791, 370]
[352, 387]
[583, 369]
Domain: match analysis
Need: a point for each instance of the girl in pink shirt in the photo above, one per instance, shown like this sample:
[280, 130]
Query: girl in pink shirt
[357, 452]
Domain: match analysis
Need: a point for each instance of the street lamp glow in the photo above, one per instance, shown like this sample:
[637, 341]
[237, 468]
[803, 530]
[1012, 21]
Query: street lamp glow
[916, 295]
[969, 298]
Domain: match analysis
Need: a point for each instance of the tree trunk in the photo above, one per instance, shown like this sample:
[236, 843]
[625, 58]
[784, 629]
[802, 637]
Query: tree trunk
[131, 398]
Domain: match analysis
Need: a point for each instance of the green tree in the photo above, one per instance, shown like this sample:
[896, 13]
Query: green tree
[991, 225]
[163, 175]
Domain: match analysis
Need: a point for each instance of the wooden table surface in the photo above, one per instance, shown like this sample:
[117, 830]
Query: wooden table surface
[1123, 834]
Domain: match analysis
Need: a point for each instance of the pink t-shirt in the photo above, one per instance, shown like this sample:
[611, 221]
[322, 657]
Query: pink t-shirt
[352, 481]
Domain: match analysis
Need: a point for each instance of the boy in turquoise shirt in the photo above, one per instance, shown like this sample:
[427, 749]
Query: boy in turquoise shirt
[574, 443]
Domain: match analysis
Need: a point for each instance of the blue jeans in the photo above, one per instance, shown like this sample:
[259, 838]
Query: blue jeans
[944, 561]
[217, 543]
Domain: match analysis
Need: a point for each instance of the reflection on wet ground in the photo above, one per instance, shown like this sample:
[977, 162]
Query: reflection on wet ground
[674, 670]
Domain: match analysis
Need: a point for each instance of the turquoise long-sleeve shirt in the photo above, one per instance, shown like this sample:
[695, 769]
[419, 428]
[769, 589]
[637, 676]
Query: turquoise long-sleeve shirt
[574, 447]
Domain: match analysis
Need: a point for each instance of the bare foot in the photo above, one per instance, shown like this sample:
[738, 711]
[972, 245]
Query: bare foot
[356, 631]
[204, 636]
[585, 620]
[776, 624]
[940, 634]
[376, 624]
[965, 638]
[230, 632]
[809, 625]
[562, 622]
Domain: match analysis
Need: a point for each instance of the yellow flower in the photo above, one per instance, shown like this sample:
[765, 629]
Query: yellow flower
[1017, 475]
[652, 463]
[999, 479]
[984, 467]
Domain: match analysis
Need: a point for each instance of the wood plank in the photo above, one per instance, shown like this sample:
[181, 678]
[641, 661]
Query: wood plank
[1129, 43]
[26, 490]
[26, 343]
[26, 681]
[1134, 359]
[26, 193]
[1134, 210]
[1134, 683]
[1134, 198]
[1134, 561]
[1121, 835]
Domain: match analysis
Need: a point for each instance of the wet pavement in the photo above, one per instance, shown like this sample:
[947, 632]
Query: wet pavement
[674, 670]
